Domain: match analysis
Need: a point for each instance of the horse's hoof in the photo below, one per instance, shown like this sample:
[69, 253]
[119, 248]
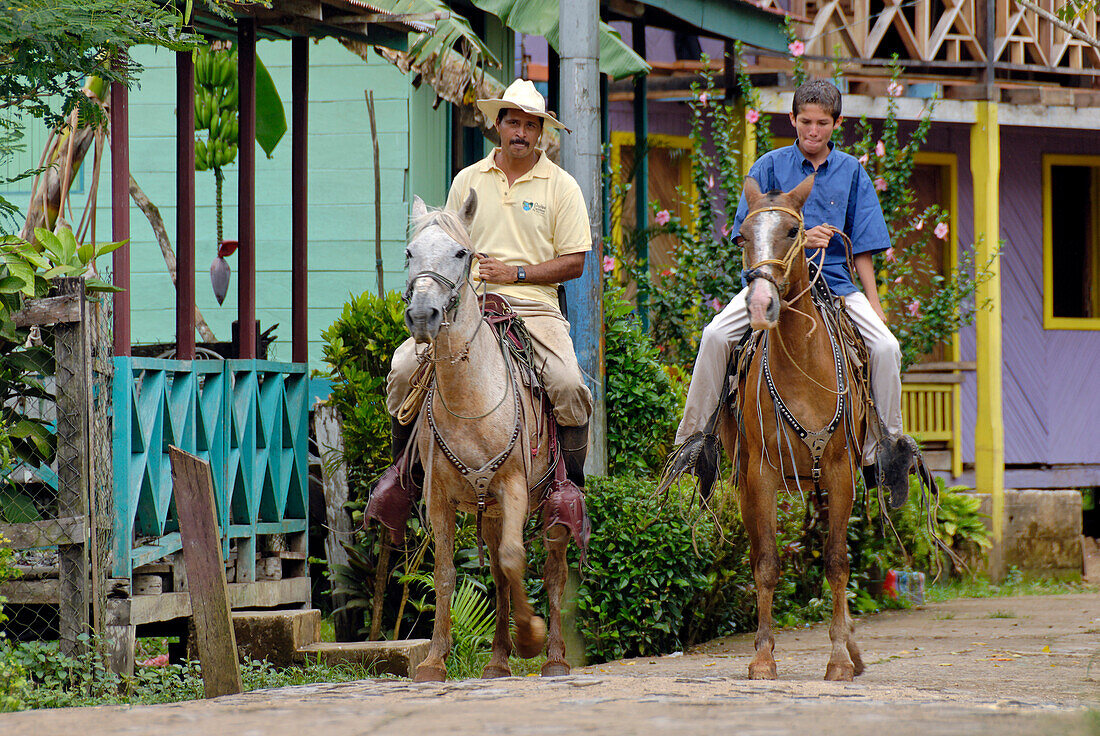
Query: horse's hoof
[530, 643]
[839, 672]
[492, 671]
[759, 671]
[555, 669]
[430, 673]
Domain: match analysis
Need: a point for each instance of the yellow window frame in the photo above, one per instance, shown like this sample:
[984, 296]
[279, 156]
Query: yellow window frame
[1050, 322]
[621, 138]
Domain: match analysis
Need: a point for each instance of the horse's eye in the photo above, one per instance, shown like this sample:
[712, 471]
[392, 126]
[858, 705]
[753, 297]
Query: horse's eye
[408, 255]
[792, 233]
[462, 253]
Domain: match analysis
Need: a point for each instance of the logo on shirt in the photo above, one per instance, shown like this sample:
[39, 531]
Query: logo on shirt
[537, 208]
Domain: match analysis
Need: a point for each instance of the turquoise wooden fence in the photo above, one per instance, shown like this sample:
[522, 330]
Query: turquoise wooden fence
[248, 418]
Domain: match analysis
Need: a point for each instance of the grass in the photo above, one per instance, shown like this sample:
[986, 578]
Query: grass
[999, 613]
[37, 675]
[1013, 584]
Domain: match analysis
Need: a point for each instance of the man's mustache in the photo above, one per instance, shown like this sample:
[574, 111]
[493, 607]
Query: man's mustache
[518, 142]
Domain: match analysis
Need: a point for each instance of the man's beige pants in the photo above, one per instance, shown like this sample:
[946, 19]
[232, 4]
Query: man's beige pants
[555, 362]
[725, 331]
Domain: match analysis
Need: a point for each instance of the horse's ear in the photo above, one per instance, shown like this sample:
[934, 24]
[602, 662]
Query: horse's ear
[801, 193]
[419, 209]
[752, 191]
[469, 207]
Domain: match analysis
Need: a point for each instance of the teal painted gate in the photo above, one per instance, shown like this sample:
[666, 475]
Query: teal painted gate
[248, 418]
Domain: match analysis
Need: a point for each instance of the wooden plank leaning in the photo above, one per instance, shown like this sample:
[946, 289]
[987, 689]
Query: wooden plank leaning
[202, 554]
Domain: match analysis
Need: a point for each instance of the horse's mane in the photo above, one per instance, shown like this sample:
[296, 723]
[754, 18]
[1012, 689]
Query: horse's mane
[449, 222]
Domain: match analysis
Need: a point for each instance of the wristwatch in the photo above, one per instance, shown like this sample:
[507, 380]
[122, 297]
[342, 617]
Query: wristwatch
[521, 275]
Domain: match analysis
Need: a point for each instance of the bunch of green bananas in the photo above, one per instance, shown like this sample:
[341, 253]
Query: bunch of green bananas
[216, 94]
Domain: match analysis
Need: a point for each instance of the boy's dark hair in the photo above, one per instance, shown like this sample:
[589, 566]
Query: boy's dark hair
[817, 92]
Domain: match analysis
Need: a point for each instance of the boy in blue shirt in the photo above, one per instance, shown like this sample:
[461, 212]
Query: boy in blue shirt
[843, 199]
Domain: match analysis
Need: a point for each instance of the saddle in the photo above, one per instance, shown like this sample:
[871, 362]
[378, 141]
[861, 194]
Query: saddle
[562, 502]
[853, 361]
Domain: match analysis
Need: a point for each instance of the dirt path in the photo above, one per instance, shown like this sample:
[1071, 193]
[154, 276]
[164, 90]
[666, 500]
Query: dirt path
[1004, 666]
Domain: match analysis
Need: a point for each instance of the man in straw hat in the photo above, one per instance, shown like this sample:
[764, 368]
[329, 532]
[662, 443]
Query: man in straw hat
[531, 232]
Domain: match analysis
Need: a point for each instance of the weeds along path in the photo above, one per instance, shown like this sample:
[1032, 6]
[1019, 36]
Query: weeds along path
[1004, 666]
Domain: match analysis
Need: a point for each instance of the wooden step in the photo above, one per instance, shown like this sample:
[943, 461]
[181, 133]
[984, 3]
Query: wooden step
[394, 657]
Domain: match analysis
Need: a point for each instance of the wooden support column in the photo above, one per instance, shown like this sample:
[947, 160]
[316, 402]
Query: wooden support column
[185, 206]
[246, 189]
[73, 453]
[985, 165]
[120, 213]
[299, 183]
[641, 166]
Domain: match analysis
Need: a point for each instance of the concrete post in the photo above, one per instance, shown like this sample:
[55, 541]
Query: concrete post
[578, 23]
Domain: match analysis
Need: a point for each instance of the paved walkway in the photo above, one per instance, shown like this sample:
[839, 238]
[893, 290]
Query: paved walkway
[1004, 666]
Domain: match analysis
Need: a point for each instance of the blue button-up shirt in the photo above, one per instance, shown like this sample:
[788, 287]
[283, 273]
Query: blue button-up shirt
[843, 196]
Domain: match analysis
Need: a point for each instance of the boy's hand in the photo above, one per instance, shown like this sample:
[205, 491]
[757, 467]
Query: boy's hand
[819, 236]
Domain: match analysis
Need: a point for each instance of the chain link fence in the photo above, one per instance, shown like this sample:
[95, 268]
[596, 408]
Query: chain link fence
[55, 497]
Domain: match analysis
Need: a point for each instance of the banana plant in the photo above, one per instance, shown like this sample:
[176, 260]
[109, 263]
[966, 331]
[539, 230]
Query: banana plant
[217, 124]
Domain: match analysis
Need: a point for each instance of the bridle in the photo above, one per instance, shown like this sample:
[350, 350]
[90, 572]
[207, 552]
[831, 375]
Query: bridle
[450, 309]
[454, 288]
[753, 272]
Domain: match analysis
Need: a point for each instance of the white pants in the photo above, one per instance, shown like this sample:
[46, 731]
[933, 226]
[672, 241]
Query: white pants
[727, 328]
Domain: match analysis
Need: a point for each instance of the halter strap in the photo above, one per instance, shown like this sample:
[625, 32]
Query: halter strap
[787, 261]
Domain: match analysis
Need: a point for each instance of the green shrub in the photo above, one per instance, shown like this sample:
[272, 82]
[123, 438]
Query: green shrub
[358, 347]
[642, 407]
[643, 571]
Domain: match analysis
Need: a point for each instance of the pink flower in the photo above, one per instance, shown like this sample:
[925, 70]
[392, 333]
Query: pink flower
[898, 280]
[714, 304]
[161, 660]
[608, 264]
[894, 89]
[890, 254]
[919, 224]
[662, 217]
[710, 182]
[914, 307]
[752, 115]
[880, 184]
[863, 159]
[725, 229]
[667, 272]
[797, 48]
[703, 98]
[880, 149]
[941, 231]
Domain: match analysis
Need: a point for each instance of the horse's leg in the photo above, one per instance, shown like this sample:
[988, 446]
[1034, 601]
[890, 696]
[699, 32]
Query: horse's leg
[557, 542]
[434, 668]
[502, 637]
[530, 629]
[845, 661]
[758, 511]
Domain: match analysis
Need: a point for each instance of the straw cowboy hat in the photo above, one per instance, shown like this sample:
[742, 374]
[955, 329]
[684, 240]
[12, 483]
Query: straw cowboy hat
[521, 95]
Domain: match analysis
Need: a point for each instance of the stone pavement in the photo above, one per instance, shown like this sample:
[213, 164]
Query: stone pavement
[1004, 666]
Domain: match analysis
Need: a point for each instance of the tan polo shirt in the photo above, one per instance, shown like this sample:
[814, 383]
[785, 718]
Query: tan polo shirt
[540, 217]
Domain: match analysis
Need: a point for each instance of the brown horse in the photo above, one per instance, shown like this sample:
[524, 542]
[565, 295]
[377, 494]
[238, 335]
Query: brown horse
[483, 449]
[801, 424]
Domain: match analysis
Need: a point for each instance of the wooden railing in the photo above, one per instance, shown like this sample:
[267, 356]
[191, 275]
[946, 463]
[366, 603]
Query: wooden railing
[943, 31]
[930, 407]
